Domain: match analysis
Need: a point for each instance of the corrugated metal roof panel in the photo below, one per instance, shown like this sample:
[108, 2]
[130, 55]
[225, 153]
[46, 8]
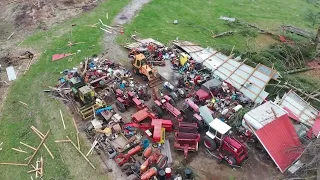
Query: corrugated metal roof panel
[248, 80]
[299, 107]
[281, 142]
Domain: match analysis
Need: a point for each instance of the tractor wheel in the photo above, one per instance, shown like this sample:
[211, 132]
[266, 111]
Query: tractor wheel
[172, 101]
[157, 110]
[174, 96]
[126, 166]
[162, 162]
[231, 161]
[199, 123]
[209, 143]
[120, 106]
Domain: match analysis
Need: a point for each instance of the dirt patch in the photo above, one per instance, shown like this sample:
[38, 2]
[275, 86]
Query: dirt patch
[23, 17]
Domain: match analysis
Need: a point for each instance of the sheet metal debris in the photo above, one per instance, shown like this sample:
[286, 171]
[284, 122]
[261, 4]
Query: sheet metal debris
[11, 73]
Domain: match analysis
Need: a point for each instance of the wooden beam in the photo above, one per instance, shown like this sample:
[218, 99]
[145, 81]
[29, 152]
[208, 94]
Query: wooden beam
[63, 140]
[75, 146]
[18, 150]
[35, 152]
[76, 127]
[41, 137]
[64, 126]
[28, 145]
[14, 164]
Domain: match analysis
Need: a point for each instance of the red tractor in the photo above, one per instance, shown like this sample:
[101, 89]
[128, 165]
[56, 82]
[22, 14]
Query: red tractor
[165, 105]
[228, 148]
[207, 91]
[125, 100]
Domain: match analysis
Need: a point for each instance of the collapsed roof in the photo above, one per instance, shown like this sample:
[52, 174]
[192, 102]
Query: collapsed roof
[248, 80]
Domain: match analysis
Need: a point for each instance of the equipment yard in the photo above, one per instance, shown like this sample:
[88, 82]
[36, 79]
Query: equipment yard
[159, 90]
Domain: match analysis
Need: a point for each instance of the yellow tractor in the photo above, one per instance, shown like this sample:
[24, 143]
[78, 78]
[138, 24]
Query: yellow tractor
[141, 67]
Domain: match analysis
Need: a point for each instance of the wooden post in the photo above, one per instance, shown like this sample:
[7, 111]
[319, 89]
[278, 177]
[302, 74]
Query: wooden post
[14, 164]
[64, 126]
[76, 127]
[28, 146]
[75, 146]
[42, 136]
[35, 152]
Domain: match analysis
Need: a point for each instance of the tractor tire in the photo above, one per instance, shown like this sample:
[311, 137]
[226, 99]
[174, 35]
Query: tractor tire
[209, 143]
[120, 106]
[157, 110]
[199, 123]
[172, 102]
[174, 96]
[162, 162]
[232, 161]
[126, 166]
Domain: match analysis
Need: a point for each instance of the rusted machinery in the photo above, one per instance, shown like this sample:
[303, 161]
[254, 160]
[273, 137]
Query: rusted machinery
[187, 138]
[127, 99]
[121, 158]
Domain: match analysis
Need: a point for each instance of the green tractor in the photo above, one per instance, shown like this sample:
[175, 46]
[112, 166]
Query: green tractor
[81, 90]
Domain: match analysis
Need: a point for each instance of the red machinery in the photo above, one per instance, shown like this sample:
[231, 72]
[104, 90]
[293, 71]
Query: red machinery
[126, 100]
[229, 148]
[153, 156]
[121, 159]
[208, 90]
[187, 138]
[164, 104]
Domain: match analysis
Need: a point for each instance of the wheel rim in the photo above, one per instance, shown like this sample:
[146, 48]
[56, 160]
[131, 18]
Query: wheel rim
[207, 144]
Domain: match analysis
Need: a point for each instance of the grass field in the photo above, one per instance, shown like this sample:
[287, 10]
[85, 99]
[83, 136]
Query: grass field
[198, 19]
[42, 111]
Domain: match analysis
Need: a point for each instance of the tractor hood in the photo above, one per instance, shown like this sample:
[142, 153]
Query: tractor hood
[206, 114]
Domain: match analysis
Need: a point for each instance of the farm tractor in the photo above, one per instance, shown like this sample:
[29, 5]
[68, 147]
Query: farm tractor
[165, 103]
[127, 99]
[81, 90]
[228, 148]
[141, 67]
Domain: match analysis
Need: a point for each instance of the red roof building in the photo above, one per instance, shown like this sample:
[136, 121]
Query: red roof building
[281, 141]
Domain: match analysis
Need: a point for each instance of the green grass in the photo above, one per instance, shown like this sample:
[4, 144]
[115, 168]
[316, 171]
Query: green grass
[197, 19]
[42, 111]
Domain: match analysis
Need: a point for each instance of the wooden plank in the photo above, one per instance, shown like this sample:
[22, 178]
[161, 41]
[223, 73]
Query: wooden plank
[64, 126]
[14, 164]
[35, 152]
[28, 145]
[76, 127]
[60, 141]
[40, 135]
[75, 146]
[18, 150]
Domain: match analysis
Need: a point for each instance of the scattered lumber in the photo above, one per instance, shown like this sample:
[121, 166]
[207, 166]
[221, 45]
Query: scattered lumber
[10, 36]
[14, 164]
[64, 126]
[227, 33]
[41, 143]
[75, 146]
[19, 150]
[28, 145]
[61, 141]
[298, 31]
[41, 137]
[75, 126]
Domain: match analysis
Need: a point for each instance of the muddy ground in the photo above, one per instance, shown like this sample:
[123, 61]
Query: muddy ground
[23, 18]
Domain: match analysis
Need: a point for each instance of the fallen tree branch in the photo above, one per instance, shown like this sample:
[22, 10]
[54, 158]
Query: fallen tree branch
[227, 33]
[289, 86]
